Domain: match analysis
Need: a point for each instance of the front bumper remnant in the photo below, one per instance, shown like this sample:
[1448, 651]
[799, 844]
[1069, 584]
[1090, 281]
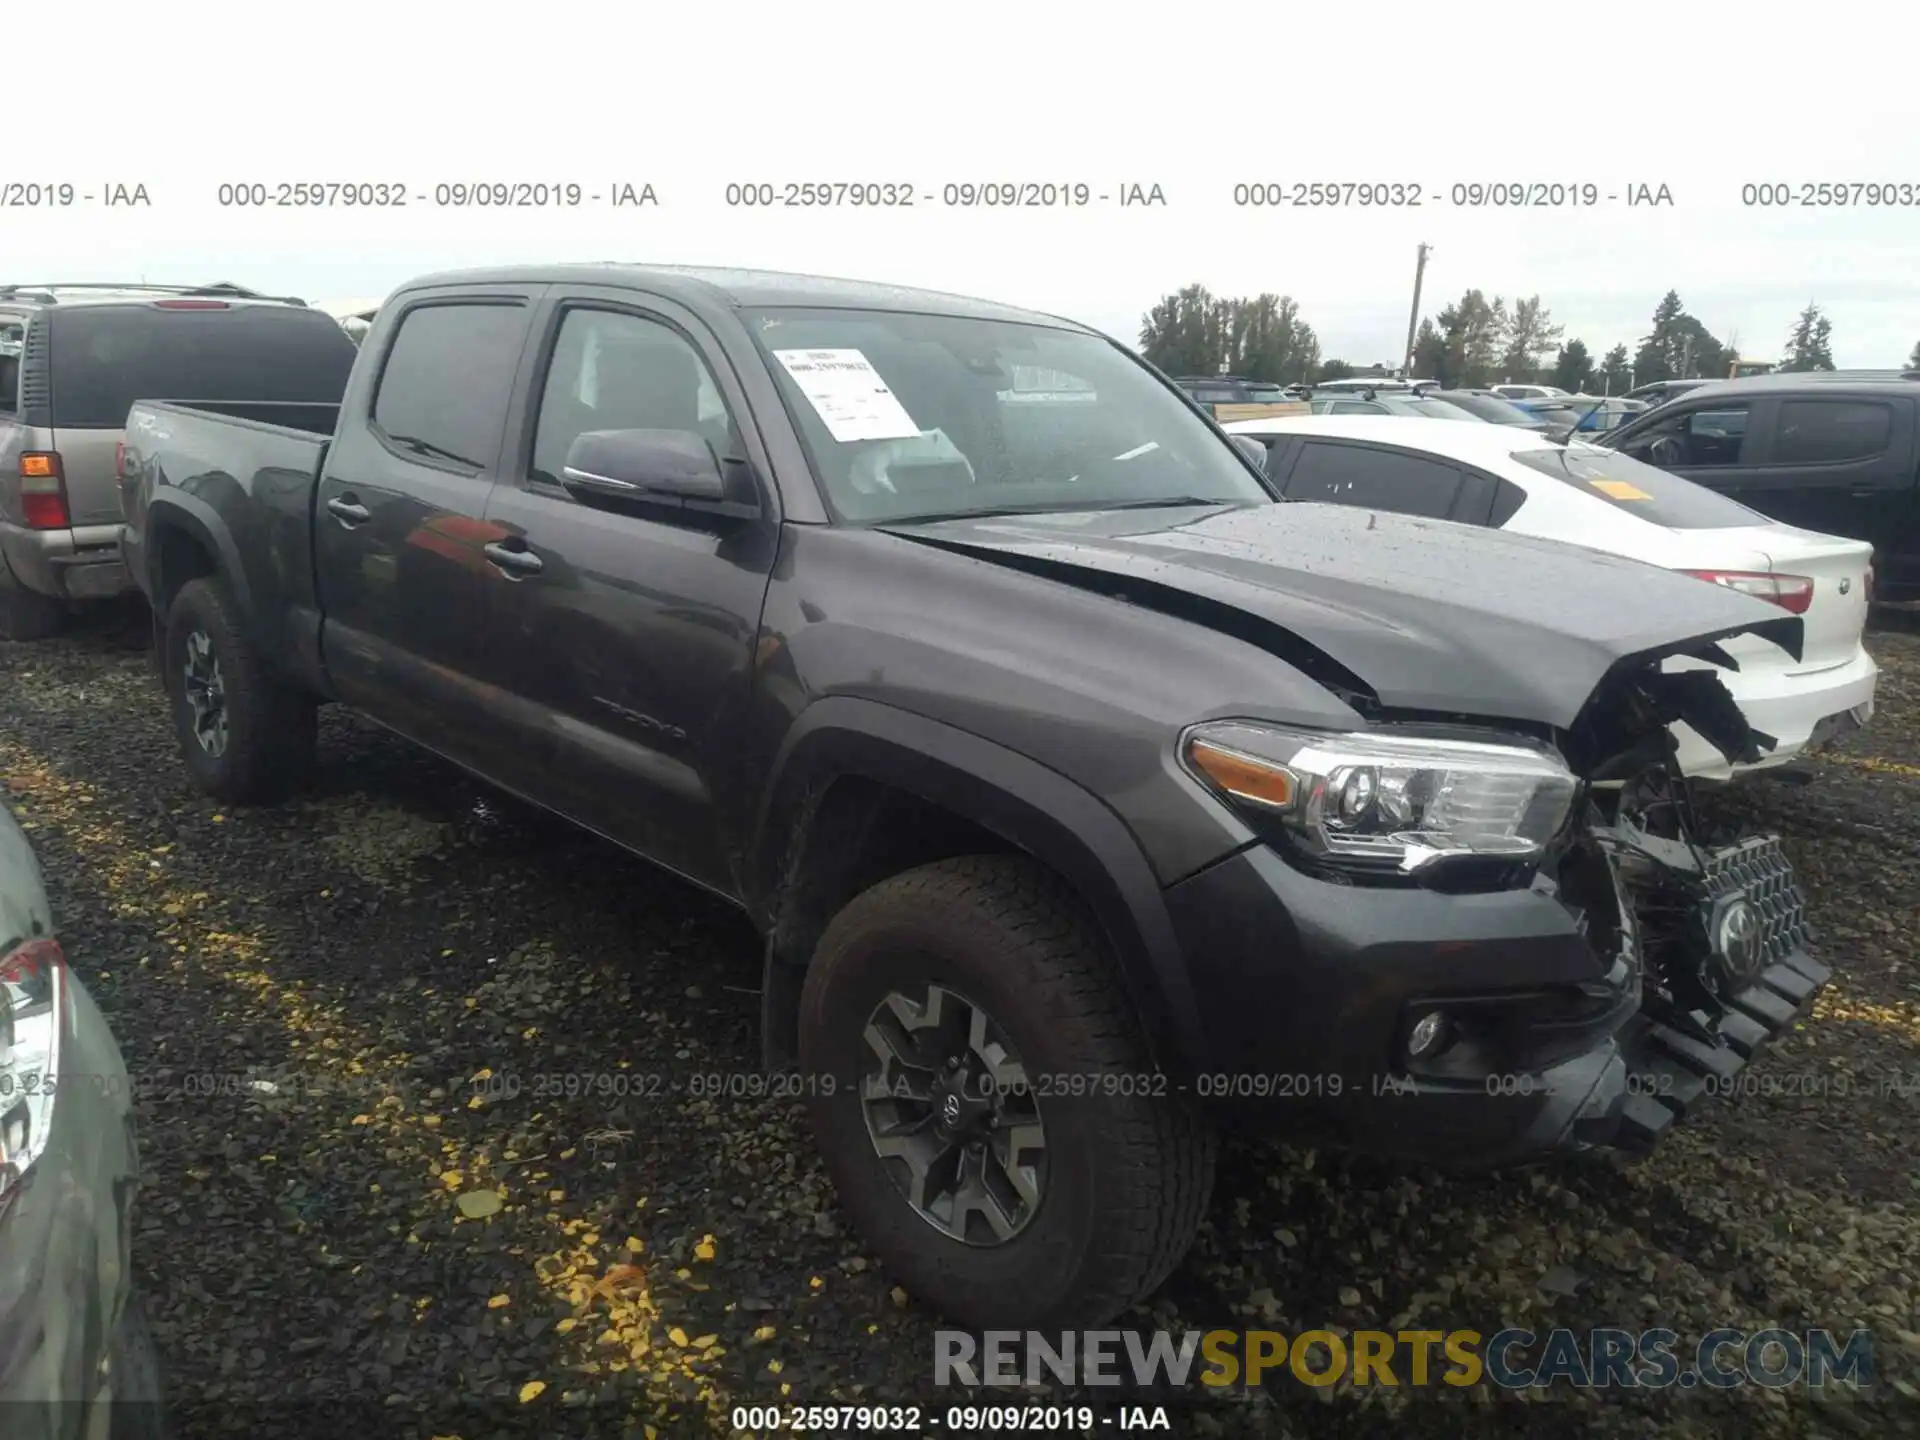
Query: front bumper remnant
[1664, 1072]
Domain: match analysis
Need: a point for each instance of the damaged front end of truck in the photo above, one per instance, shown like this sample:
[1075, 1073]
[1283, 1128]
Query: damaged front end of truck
[1712, 924]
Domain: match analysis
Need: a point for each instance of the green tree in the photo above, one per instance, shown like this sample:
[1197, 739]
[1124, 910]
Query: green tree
[1573, 367]
[1913, 360]
[1430, 355]
[1185, 333]
[1617, 375]
[1333, 370]
[1810, 342]
[1267, 339]
[1471, 333]
[1678, 347]
[1530, 334]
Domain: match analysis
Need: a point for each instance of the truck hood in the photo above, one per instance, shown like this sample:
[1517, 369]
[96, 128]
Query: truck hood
[1419, 614]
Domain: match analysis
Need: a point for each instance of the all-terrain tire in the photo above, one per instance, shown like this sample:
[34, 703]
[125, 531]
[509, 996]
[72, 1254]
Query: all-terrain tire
[271, 726]
[27, 614]
[1129, 1164]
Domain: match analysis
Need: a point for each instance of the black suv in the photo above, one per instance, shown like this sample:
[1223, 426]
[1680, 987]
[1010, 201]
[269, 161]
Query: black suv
[1834, 453]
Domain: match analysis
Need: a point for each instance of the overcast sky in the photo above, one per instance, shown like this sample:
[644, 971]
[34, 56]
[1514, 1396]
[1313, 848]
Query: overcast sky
[1696, 98]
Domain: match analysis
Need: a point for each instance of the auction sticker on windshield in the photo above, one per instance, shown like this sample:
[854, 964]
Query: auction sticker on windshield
[848, 394]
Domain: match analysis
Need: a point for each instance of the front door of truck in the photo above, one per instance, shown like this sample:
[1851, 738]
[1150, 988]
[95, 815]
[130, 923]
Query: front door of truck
[400, 530]
[626, 636]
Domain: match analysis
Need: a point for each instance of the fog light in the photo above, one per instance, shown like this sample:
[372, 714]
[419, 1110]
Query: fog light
[1429, 1033]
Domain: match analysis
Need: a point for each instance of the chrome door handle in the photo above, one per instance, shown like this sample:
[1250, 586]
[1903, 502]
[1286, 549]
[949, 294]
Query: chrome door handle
[348, 512]
[524, 562]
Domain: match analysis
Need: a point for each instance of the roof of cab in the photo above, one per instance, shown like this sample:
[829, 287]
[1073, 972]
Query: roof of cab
[695, 285]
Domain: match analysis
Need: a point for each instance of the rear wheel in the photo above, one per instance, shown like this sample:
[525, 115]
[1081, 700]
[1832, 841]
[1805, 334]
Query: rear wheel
[27, 614]
[984, 1100]
[248, 737]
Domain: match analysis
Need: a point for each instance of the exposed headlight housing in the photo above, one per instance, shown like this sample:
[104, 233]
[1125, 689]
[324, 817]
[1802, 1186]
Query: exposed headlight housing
[1386, 802]
[32, 1000]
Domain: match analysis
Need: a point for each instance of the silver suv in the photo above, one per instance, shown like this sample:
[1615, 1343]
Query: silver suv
[73, 359]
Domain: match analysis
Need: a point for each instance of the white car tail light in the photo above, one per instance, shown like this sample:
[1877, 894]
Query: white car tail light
[1793, 593]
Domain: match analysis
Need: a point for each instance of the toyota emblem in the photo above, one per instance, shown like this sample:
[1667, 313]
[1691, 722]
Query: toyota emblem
[1740, 937]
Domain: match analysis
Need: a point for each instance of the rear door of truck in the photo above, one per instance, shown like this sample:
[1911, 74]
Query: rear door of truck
[400, 534]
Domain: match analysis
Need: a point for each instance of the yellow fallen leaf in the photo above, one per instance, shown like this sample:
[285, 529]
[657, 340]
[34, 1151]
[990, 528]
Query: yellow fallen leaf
[432, 1122]
[476, 1102]
[499, 1302]
[563, 1326]
[452, 1179]
[774, 1367]
[532, 1391]
[678, 1336]
[704, 1250]
[634, 1244]
[705, 1342]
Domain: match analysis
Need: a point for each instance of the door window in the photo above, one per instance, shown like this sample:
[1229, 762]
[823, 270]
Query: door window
[1696, 440]
[615, 371]
[447, 378]
[1814, 432]
[1374, 479]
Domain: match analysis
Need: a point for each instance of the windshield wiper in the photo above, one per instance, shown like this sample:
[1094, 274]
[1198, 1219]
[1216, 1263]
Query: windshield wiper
[427, 447]
[1167, 502]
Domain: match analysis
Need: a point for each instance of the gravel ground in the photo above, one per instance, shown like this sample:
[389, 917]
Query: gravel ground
[385, 1236]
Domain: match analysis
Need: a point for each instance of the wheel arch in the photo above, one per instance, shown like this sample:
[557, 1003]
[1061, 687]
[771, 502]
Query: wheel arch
[861, 791]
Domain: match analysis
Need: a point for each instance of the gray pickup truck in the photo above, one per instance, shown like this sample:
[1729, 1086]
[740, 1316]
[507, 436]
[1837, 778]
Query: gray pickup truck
[1088, 796]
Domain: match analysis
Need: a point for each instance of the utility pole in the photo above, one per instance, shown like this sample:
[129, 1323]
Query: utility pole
[1413, 320]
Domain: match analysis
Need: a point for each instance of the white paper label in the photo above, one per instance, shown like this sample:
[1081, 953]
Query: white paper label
[849, 395]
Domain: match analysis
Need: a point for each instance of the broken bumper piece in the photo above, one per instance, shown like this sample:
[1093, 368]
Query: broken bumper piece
[1660, 1073]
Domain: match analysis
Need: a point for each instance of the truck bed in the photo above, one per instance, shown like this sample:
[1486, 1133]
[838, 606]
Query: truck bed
[213, 459]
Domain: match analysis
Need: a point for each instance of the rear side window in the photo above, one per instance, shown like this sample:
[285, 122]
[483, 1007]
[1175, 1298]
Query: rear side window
[105, 357]
[1373, 479]
[1355, 407]
[1827, 431]
[1643, 490]
[447, 378]
[13, 340]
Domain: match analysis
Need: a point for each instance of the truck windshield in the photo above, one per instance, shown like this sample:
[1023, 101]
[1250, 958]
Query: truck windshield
[909, 416]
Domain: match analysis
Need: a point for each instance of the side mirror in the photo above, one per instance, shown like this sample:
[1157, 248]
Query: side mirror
[1255, 452]
[642, 464]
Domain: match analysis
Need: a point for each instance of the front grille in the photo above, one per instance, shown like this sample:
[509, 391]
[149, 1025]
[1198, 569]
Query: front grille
[1759, 869]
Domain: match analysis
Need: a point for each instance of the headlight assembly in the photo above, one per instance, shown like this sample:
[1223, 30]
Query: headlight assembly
[1385, 802]
[32, 998]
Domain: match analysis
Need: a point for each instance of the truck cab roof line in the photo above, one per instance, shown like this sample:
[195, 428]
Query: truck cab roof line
[1276, 640]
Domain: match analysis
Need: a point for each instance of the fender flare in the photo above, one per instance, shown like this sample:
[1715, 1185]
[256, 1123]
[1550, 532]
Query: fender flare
[194, 517]
[1033, 808]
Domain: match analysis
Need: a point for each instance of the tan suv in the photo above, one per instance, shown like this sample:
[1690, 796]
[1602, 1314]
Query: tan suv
[73, 359]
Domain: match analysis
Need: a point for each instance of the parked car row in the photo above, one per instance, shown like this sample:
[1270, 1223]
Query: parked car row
[1047, 736]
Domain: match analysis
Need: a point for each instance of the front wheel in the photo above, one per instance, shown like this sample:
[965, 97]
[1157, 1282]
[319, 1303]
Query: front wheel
[984, 1100]
[247, 736]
